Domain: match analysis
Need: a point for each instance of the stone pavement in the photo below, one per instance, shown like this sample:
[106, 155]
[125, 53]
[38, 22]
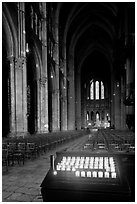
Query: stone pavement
[22, 183]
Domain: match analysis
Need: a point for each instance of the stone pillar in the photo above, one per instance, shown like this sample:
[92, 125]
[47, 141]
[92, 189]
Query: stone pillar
[123, 108]
[71, 98]
[44, 78]
[64, 101]
[18, 102]
[56, 113]
[63, 105]
[112, 101]
[24, 92]
[117, 106]
[18, 83]
[78, 101]
[12, 87]
[39, 106]
[43, 106]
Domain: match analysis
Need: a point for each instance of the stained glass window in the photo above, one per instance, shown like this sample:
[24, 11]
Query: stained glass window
[102, 90]
[87, 115]
[97, 89]
[92, 91]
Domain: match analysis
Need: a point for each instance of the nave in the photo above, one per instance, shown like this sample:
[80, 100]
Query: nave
[97, 144]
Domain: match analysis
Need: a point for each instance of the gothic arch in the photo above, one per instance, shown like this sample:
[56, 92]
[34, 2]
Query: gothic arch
[10, 31]
[33, 95]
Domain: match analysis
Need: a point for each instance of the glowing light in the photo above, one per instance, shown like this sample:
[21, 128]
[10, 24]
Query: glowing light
[113, 175]
[27, 48]
[82, 173]
[88, 173]
[106, 175]
[85, 166]
[54, 173]
[58, 168]
[68, 168]
[104, 166]
[73, 169]
[100, 174]
[77, 173]
[94, 173]
[63, 168]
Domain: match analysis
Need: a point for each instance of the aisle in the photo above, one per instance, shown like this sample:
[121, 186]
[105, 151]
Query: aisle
[22, 183]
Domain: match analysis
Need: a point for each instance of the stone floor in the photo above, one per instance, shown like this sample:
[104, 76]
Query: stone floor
[22, 183]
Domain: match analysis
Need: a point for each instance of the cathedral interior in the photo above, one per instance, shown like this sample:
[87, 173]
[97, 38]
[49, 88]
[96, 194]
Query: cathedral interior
[68, 72]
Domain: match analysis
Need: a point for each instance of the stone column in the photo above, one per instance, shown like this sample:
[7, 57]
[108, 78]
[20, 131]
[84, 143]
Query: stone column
[18, 118]
[39, 105]
[78, 101]
[12, 87]
[117, 106]
[56, 113]
[44, 78]
[71, 98]
[43, 106]
[55, 110]
[123, 108]
[63, 100]
[63, 105]
[20, 97]
[112, 101]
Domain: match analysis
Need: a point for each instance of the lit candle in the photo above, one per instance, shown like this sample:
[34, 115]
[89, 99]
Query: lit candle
[94, 173]
[68, 168]
[77, 173]
[91, 166]
[100, 174]
[82, 173]
[54, 173]
[88, 173]
[58, 167]
[86, 166]
[113, 175]
[106, 174]
[69, 158]
[73, 168]
[100, 166]
[112, 169]
[81, 166]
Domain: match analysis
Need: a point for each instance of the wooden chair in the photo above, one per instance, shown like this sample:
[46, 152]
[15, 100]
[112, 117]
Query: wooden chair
[5, 155]
[31, 150]
[11, 150]
[19, 153]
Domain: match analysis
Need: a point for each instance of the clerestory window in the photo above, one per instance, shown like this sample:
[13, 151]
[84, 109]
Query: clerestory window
[96, 90]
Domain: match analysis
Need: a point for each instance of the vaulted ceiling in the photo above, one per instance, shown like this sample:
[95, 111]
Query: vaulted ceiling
[93, 30]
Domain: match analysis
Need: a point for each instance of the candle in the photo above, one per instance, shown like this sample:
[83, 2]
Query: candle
[88, 173]
[77, 173]
[94, 174]
[82, 173]
[100, 174]
[113, 175]
[106, 174]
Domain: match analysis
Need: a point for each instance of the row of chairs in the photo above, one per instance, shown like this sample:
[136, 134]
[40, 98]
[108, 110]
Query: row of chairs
[120, 140]
[19, 149]
[12, 152]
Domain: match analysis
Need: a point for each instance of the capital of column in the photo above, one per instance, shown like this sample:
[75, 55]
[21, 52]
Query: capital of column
[19, 62]
[56, 91]
[44, 43]
[43, 81]
[11, 59]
